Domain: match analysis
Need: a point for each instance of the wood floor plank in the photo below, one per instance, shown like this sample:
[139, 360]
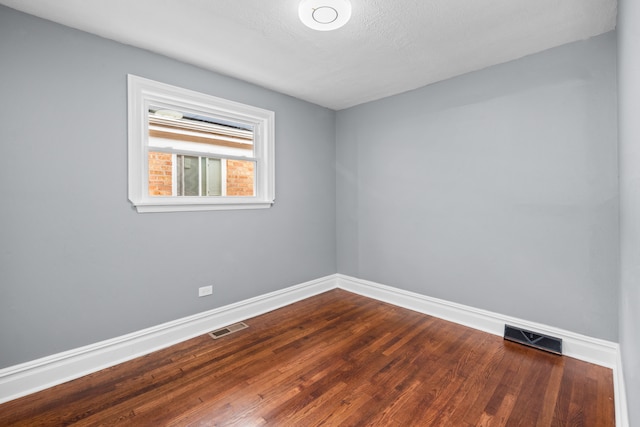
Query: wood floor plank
[336, 359]
[550, 395]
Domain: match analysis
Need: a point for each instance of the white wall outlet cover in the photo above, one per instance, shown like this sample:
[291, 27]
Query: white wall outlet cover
[205, 290]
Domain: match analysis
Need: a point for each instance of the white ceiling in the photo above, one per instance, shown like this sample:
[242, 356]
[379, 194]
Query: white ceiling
[388, 47]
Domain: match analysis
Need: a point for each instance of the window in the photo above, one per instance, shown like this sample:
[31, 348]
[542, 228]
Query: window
[190, 151]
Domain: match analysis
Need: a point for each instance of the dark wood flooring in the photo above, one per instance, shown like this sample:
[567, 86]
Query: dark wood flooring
[337, 359]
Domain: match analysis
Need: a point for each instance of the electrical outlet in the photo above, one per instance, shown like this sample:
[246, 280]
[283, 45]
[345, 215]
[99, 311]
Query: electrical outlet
[205, 290]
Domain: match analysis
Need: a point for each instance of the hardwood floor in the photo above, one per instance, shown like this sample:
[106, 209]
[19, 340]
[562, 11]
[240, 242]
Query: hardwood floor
[337, 359]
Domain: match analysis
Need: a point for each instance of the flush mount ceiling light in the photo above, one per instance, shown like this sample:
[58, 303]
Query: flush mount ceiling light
[324, 15]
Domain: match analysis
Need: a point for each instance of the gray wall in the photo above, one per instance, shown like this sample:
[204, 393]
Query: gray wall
[629, 126]
[497, 189]
[77, 263]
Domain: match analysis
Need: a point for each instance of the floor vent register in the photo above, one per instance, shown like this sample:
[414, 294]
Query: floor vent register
[223, 332]
[533, 339]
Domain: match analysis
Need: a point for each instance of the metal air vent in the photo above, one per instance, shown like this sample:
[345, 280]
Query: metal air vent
[219, 333]
[533, 339]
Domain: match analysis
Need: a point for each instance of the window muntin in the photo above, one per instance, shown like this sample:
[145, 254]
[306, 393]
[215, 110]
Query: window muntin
[191, 151]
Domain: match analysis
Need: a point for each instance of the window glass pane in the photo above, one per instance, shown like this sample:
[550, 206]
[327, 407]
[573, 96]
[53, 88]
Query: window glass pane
[174, 134]
[213, 181]
[189, 175]
[179, 174]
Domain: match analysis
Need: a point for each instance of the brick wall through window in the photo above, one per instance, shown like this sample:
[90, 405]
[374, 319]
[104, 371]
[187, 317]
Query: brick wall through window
[160, 170]
[240, 175]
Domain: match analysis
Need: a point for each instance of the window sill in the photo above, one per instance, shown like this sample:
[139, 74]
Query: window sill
[172, 205]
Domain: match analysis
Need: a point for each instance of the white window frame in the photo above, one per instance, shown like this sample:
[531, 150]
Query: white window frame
[143, 93]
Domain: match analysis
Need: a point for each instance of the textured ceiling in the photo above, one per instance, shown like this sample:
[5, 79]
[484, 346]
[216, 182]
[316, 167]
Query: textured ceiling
[388, 47]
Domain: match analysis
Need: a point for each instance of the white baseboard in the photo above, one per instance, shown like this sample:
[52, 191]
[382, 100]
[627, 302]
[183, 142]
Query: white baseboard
[29, 377]
[622, 411]
[592, 350]
[26, 378]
